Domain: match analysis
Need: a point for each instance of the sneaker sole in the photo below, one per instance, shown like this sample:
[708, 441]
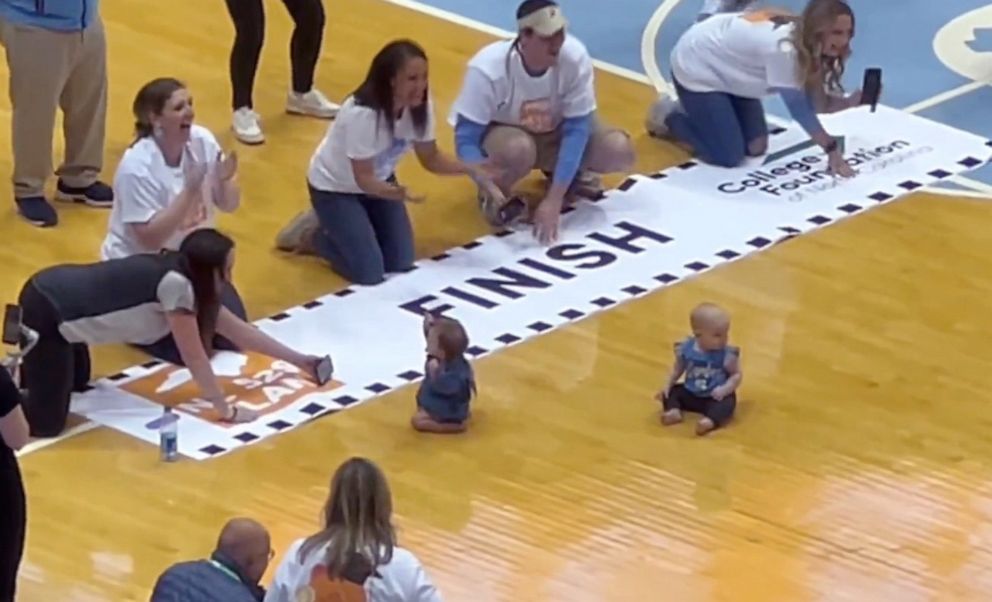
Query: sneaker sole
[305, 113]
[65, 197]
[36, 224]
[247, 139]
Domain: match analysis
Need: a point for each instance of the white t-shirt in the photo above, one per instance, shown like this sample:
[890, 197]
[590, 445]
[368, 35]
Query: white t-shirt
[403, 579]
[744, 54]
[145, 185]
[497, 88]
[358, 133]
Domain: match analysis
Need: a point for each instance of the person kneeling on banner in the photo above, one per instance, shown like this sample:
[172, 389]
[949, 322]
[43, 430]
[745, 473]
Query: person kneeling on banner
[530, 103]
[171, 181]
[449, 383]
[138, 299]
[724, 65]
[359, 222]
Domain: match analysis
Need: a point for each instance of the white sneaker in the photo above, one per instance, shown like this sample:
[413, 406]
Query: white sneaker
[312, 103]
[658, 113]
[247, 126]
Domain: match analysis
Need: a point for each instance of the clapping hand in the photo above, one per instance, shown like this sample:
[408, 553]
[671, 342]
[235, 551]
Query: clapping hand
[194, 172]
[227, 165]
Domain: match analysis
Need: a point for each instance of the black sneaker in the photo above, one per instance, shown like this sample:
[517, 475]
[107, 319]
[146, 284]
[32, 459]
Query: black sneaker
[37, 211]
[96, 194]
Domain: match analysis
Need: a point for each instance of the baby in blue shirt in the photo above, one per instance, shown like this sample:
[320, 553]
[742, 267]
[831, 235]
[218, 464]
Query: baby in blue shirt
[449, 383]
[712, 372]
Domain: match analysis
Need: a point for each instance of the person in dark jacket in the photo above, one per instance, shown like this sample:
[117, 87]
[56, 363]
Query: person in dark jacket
[231, 574]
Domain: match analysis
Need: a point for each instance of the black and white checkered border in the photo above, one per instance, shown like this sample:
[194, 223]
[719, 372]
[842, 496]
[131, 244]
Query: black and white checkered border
[351, 396]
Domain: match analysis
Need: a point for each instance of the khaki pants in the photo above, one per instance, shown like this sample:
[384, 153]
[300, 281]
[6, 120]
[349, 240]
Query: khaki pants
[499, 137]
[51, 70]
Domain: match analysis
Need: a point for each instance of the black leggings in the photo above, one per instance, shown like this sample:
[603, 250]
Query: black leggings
[249, 26]
[54, 368]
[720, 412]
[12, 523]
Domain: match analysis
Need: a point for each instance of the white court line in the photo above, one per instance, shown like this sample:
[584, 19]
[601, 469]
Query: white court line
[503, 33]
[945, 96]
[653, 78]
[34, 446]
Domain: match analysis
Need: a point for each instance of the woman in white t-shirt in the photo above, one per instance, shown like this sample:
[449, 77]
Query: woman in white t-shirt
[354, 557]
[171, 181]
[360, 222]
[725, 64]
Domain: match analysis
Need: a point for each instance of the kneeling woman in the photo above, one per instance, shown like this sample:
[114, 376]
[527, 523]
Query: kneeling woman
[138, 300]
[171, 181]
[724, 65]
[362, 227]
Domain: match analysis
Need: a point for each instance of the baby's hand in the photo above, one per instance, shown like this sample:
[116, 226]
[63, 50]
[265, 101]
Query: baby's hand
[433, 365]
[662, 395]
[719, 393]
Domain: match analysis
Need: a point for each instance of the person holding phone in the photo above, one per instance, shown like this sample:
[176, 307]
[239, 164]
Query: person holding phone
[172, 180]
[724, 65]
[13, 508]
[138, 299]
[359, 222]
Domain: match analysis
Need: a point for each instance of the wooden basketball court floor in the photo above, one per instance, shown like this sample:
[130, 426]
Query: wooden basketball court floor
[858, 467]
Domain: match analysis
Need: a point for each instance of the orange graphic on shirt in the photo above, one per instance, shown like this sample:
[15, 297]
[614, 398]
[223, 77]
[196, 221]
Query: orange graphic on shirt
[535, 116]
[324, 589]
[248, 379]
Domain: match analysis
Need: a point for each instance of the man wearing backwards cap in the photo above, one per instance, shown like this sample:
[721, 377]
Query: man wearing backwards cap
[530, 103]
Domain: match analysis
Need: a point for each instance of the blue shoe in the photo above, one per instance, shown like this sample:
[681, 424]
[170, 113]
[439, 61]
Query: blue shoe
[37, 211]
[96, 194]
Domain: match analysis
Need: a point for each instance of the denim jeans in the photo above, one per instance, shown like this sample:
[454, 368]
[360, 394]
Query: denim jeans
[362, 237]
[718, 126]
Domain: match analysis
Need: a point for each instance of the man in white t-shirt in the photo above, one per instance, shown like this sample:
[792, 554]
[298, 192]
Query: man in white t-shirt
[530, 103]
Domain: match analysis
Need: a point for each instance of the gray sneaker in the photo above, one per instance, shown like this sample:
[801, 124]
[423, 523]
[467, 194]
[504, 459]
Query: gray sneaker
[298, 235]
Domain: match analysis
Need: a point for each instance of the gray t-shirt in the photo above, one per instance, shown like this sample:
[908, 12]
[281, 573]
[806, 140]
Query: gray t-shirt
[117, 301]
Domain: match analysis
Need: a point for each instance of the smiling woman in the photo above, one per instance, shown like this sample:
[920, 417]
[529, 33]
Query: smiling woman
[171, 181]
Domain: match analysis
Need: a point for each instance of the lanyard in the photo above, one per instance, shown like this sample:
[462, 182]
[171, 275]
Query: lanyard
[226, 570]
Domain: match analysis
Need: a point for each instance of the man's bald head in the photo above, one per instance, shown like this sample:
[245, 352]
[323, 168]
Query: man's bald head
[246, 542]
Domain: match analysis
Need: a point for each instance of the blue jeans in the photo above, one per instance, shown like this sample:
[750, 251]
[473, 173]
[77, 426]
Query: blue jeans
[363, 237]
[718, 126]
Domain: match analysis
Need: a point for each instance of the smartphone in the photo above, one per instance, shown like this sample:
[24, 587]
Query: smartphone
[12, 325]
[871, 88]
[325, 369]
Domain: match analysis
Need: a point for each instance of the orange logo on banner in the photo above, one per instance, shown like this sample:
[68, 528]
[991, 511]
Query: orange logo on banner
[262, 384]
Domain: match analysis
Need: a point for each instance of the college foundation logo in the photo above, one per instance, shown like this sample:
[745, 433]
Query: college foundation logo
[803, 169]
[251, 380]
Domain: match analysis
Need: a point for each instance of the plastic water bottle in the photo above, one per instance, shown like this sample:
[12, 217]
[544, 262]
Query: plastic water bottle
[168, 436]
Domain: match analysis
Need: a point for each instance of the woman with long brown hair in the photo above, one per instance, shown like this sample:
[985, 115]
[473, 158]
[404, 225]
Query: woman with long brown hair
[138, 299]
[355, 556]
[175, 175]
[724, 65]
[172, 180]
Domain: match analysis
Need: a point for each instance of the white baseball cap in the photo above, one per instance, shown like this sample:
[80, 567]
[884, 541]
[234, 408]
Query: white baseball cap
[545, 21]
